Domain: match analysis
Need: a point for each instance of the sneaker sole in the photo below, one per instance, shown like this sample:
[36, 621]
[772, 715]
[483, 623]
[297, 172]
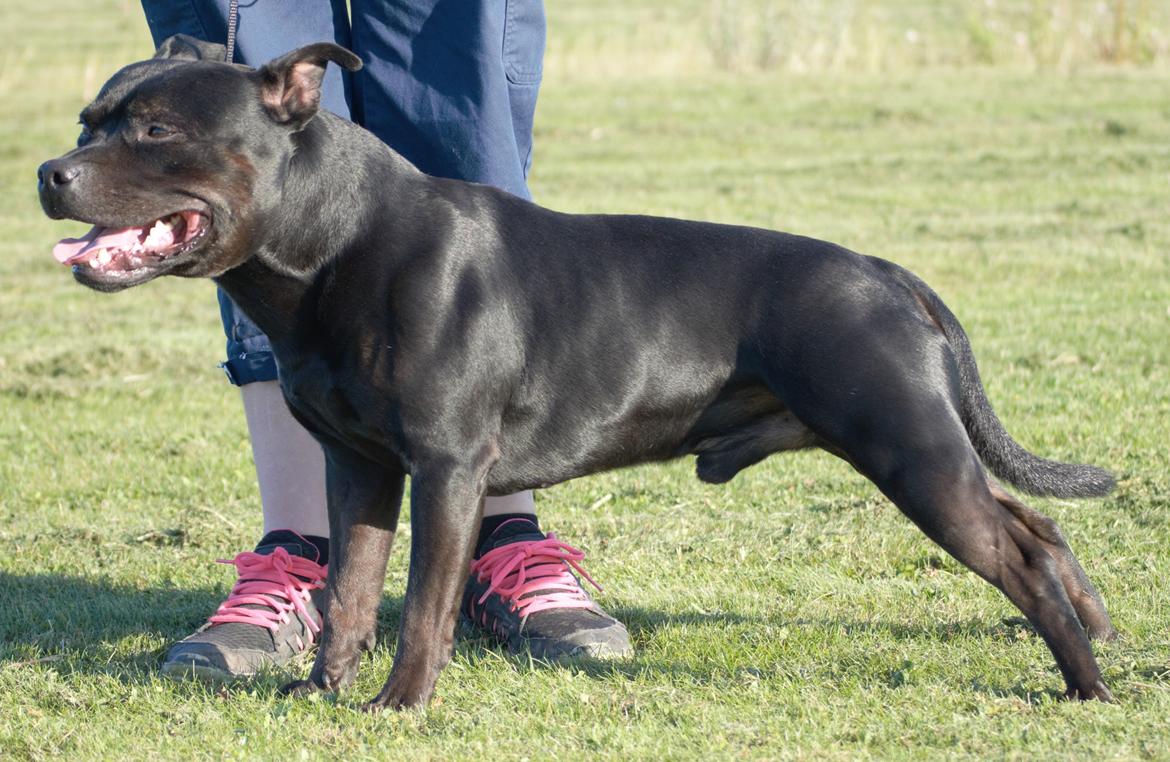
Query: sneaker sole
[201, 672]
[554, 653]
[555, 650]
[207, 673]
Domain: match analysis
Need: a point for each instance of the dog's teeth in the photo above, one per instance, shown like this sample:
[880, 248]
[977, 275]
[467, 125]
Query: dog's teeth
[93, 264]
[104, 256]
[135, 261]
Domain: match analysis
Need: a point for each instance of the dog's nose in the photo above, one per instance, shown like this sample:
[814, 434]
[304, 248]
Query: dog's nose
[56, 173]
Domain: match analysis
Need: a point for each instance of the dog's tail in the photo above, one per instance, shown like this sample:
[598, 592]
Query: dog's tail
[999, 452]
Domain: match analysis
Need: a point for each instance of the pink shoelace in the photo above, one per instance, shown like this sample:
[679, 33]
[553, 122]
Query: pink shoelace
[279, 582]
[521, 569]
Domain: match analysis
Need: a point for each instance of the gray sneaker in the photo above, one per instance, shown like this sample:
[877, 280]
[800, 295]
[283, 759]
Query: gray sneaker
[270, 618]
[523, 592]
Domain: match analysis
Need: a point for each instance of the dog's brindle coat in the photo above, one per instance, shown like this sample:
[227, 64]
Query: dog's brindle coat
[484, 345]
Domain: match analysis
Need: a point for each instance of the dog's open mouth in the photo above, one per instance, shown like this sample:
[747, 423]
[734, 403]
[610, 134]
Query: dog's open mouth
[125, 250]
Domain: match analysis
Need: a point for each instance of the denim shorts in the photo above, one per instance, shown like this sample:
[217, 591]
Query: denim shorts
[451, 86]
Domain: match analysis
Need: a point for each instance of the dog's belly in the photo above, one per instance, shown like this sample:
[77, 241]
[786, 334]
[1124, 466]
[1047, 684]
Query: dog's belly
[729, 426]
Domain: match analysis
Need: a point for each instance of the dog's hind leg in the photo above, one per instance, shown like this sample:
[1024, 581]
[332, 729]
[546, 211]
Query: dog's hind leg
[364, 502]
[942, 487]
[887, 398]
[1084, 596]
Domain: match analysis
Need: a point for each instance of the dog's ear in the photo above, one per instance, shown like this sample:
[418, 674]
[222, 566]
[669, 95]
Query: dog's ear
[188, 48]
[290, 86]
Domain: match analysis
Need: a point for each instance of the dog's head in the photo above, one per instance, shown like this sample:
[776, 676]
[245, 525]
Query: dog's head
[174, 159]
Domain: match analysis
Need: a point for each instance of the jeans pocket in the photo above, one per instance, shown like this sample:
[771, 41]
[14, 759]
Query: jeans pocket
[524, 30]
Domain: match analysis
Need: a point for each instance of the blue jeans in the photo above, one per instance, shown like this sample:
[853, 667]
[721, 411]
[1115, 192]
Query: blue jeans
[449, 84]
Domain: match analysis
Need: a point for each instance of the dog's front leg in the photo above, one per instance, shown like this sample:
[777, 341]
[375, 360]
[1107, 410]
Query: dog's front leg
[445, 509]
[364, 502]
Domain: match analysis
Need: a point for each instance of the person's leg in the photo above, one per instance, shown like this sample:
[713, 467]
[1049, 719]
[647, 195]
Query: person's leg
[242, 635]
[453, 87]
[289, 464]
[433, 88]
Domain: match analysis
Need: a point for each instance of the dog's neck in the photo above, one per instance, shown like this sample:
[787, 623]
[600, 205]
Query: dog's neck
[311, 229]
[267, 296]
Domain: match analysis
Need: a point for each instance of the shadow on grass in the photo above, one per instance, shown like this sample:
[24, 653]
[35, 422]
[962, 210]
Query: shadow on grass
[640, 620]
[50, 612]
[82, 625]
[55, 611]
[78, 624]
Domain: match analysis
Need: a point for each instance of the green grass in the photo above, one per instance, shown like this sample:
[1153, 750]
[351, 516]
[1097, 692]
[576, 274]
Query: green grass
[792, 614]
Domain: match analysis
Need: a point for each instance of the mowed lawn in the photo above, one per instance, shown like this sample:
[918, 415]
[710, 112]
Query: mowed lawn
[791, 614]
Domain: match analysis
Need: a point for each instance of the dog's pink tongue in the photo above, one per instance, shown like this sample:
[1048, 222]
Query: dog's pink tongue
[98, 238]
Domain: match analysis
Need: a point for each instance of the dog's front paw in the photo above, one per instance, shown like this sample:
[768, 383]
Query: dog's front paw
[394, 701]
[300, 689]
[1096, 692]
[401, 694]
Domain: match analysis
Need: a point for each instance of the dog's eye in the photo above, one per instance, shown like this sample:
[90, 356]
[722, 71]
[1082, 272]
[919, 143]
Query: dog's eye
[85, 136]
[158, 131]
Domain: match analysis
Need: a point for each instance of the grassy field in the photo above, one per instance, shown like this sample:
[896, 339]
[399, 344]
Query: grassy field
[792, 614]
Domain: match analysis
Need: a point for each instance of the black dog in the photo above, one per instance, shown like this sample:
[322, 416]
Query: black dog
[485, 345]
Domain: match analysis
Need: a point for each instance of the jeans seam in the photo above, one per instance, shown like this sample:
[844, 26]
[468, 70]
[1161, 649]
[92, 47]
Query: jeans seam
[517, 73]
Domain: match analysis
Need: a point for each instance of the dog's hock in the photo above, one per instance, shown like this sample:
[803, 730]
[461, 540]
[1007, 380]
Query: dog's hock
[290, 86]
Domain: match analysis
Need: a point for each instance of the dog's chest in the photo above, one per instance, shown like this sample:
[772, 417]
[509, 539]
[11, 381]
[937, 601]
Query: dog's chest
[338, 404]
